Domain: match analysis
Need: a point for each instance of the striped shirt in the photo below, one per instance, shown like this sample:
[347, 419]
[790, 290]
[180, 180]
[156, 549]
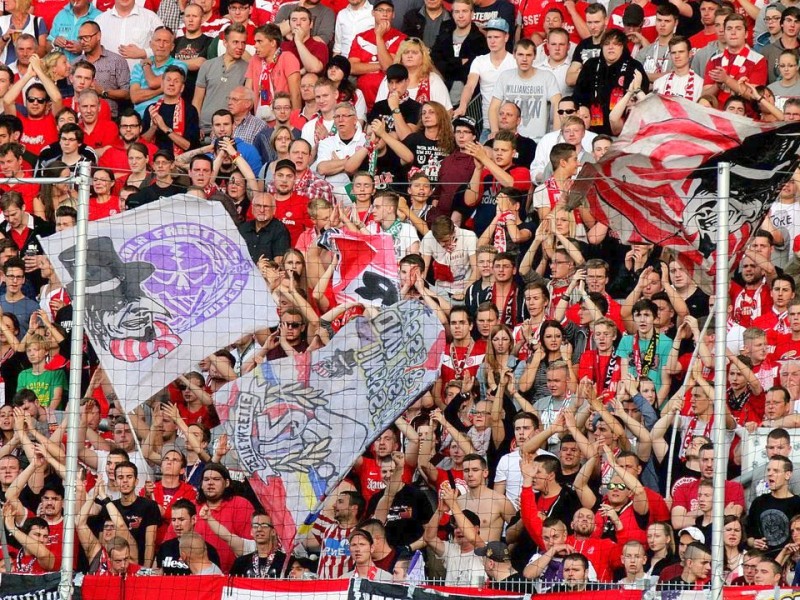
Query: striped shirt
[334, 555]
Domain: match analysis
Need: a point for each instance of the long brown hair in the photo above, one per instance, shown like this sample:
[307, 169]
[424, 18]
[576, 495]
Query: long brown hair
[446, 138]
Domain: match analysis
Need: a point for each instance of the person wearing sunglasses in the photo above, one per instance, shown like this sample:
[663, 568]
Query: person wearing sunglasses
[290, 338]
[42, 100]
[570, 132]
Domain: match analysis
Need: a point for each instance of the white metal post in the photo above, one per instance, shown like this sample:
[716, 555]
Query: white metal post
[720, 381]
[84, 180]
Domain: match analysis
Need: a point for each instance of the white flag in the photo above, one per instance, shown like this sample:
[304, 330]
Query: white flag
[166, 285]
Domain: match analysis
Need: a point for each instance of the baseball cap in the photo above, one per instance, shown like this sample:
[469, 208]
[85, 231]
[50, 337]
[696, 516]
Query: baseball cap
[377, 3]
[497, 551]
[285, 163]
[468, 122]
[164, 154]
[633, 15]
[497, 25]
[694, 532]
[396, 73]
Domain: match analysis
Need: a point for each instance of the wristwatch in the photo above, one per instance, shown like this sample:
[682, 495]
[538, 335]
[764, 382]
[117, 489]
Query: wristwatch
[395, 111]
[104, 94]
[169, 131]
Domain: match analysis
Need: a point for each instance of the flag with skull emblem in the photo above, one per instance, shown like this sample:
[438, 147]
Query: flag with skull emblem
[166, 285]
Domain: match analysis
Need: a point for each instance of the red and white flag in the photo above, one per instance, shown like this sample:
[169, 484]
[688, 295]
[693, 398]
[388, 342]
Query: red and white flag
[659, 180]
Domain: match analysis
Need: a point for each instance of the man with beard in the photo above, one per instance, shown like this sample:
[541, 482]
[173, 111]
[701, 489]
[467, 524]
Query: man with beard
[183, 520]
[130, 131]
[231, 511]
[291, 208]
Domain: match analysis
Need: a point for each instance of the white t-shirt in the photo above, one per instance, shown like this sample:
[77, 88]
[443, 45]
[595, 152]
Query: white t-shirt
[405, 238]
[488, 75]
[325, 151]
[136, 458]
[532, 95]
[783, 93]
[307, 133]
[463, 568]
[455, 263]
[677, 85]
[439, 92]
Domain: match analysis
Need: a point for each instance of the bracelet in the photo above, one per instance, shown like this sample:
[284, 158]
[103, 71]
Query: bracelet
[235, 156]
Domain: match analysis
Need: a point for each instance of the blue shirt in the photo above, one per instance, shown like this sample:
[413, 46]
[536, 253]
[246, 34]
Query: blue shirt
[66, 24]
[663, 348]
[137, 76]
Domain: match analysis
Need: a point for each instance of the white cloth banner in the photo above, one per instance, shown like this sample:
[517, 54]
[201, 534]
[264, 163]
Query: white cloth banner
[167, 285]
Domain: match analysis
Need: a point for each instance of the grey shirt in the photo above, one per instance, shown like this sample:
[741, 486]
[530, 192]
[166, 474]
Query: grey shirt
[323, 20]
[218, 83]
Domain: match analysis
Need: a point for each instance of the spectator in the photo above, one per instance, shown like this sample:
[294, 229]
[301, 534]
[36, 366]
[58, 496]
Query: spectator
[113, 74]
[129, 29]
[323, 20]
[66, 24]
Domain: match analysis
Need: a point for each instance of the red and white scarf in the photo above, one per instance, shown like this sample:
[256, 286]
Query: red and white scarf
[178, 121]
[424, 90]
[688, 90]
[265, 80]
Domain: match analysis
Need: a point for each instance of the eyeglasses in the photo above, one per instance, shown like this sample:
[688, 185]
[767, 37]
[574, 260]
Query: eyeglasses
[485, 413]
[617, 486]
[101, 180]
[86, 38]
[347, 116]
[258, 526]
[31, 100]
[559, 262]
[291, 324]
[567, 111]
[15, 276]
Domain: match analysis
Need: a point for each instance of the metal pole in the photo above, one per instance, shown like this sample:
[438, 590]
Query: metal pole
[720, 381]
[75, 372]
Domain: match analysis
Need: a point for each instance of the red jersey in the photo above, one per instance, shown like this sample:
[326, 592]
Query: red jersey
[458, 359]
[369, 474]
[532, 15]
[458, 483]
[747, 63]
[364, 48]
[702, 39]
[165, 498]
[235, 514]
[38, 133]
[600, 370]
[105, 133]
[614, 312]
[29, 191]
[788, 349]
[648, 26]
[334, 548]
[776, 326]
[685, 495]
[750, 303]
[48, 9]
[293, 212]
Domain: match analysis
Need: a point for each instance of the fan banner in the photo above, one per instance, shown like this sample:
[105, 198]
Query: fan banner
[31, 587]
[658, 181]
[367, 269]
[167, 285]
[213, 587]
[299, 423]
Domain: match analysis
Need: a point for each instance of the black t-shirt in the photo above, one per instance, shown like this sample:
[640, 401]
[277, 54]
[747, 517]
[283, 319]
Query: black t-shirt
[585, 50]
[10, 369]
[428, 156]
[769, 518]
[186, 49]
[271, 241]
[169, 557]
[524, 153]
[140, 515]
[408, 514]
[151, 193]
[389, 173]
[243, 566]
[410, 109]
[191, 128]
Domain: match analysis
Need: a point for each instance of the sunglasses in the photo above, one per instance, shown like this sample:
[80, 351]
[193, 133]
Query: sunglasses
[36, 100]
[292, 325]
[617, 486]
[567, 111]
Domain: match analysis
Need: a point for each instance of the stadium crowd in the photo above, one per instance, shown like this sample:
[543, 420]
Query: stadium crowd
[540, 460]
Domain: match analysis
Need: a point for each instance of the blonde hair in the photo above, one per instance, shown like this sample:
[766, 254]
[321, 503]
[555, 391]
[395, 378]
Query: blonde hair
[50, 61]
[427, 61]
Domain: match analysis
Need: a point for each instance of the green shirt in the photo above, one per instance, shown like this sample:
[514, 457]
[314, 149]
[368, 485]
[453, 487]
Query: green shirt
[43, 385]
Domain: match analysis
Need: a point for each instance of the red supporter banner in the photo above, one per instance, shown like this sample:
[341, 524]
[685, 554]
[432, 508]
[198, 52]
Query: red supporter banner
[211, 587]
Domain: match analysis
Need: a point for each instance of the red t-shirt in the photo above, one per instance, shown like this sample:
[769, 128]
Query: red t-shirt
[235, 514]
[686, 494]
[369, 474]
[749, 303]
[48, 9]
[38, 133]
[103, 115]
[165, 498]
[293, 212]
[29, 191]
[596, 367]
[788, 349]
[105, 133]
[533, 13]
[101, 211]
[364, 48]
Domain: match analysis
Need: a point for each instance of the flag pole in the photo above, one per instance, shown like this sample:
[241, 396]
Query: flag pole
[71, 480]
[720, 380]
